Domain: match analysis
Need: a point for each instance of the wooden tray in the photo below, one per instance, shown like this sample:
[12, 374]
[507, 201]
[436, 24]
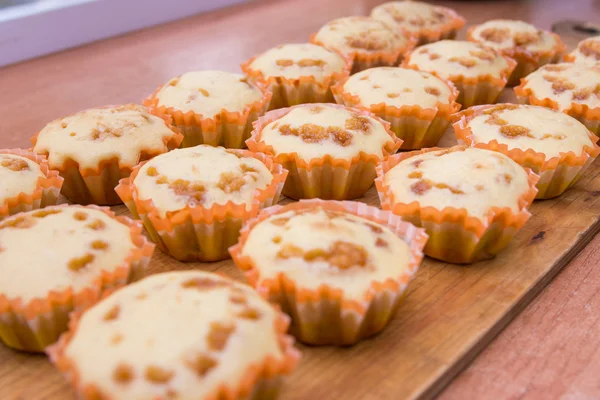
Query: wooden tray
[451, 313]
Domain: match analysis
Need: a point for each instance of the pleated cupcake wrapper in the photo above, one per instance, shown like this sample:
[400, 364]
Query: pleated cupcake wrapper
[455, 236]
[417, 127]
[46, 191]
[33, 325]
[97, 185]
[304, 89]
[590, 117]
[325, 177]
[527, 60]
[200, 233]
[362, 60]
[261, 381]
[325, 315]
[483, 89]
[227, 129]
[557, 174]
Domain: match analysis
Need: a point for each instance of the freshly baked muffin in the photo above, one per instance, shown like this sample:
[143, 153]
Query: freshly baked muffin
[587, 52]
[429, 23]
[193, 201]
[59, 259]
[27, 182]
[95, 148]
[529, 46]
[470, 201]
[417, 104]
[479, 73]
[340, 269]
[368, 41]
[298, 73]
[178, 335]
[211, 107]
[554, 145]
[330, 150]
[571, 88]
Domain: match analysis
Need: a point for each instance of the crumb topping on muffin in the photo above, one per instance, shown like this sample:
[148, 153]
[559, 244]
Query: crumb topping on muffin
[460, 177]
[293, 61]
[505, 34]
[18, 175]
[72, 246]
[101, 134]
[314, 246]
[413, 16]
[587, 51]
[200, 176]
[174, 335]
[317, 130]
[450, 58]
[397, 87]
[208, 93]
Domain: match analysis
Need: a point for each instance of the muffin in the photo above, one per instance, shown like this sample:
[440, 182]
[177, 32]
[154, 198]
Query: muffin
[587, 52]
[470, 201]
[554, 145]
[479, 73]
[60, 259]
[571, 88]
[27, 182]
[427, 22]
[339, 269]
[529, 46]
[368, 41]
[95, 148]
[417, 104]
[330, 150]
[184, 335]
[298, 73]
[211, 107]
[193, 201]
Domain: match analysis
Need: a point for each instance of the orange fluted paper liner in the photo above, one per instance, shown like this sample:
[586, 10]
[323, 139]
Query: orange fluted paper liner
[45, 194]
[200, 233]
[483, 89]
[304, 89]
[455, 236]
[527, 60]
[97, 185]
[227, 129]
[325, 316]
[362, 60]
[557, 174]
[325, 177]
[38, 323]
[417, 127]
[590, 117]
[261, 381]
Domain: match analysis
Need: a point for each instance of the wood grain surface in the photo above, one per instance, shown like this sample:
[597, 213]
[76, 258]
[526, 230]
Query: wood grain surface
[451, 312]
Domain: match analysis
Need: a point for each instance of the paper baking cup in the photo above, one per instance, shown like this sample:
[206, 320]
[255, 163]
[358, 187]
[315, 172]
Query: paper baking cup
[198, 233]
[362, 60]
[417, 127]
[590, 117]
[325, 177]
[261, 381]
[325, 316]
[38, 323]
[227, 129]
[527, 60]
[455, 236]
[483, 89]
[97, 185]
[557, 174]
[304, 89]
[45, 194]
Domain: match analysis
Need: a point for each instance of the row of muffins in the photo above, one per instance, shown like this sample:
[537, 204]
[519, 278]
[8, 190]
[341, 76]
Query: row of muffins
[303, 234]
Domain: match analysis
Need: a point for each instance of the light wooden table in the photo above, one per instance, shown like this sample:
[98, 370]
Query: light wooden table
[551, 350]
